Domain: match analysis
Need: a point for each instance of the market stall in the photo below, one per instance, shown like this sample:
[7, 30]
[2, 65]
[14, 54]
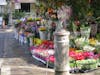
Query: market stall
[37, 32]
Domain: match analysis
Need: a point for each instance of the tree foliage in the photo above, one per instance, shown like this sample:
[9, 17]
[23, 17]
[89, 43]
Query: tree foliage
[81, 8]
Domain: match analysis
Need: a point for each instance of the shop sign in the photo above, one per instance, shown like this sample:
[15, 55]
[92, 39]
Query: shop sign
[27, 1]
[17, 6]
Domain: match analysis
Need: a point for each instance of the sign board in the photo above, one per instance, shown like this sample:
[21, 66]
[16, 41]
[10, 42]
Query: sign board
[3, 2]
[27, 1]
[17, 6]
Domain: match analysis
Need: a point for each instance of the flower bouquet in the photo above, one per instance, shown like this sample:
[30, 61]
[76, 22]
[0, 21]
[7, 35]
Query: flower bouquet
[80, 42]
[44, 51]
[42, 29]
[17, 23]
[30, 19]
[85, 32]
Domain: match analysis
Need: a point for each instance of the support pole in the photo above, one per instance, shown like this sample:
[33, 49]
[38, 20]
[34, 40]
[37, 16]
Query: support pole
[10, 12]
[61, 42]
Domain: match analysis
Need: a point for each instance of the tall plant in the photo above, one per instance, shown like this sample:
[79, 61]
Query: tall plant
[81, 8]
[18, 14]
[95, 4]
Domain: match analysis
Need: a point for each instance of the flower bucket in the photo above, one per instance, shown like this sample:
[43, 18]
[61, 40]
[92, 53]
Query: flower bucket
[25, 40]
[16, 35]
[94, 28]
[85, 32]
[43, 35]
[31, 41]
[21, 38]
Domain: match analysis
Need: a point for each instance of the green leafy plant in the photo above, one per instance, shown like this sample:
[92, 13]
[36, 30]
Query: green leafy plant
[6, 17]
[18, 15]
[98, 36]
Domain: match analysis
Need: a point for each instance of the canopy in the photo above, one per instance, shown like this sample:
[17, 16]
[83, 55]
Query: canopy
[27, 1]
[3, 2]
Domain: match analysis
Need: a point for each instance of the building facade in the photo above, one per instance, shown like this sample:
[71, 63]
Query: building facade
[24, 5]
[3, 3]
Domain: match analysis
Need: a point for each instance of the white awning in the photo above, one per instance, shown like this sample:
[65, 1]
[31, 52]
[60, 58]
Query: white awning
[27, 1]
[3, 2]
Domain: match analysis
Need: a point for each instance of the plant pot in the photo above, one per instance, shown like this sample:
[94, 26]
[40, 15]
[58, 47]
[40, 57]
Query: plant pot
[93, 29]
[43, 35]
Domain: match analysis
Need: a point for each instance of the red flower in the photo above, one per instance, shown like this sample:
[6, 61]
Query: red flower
[88, 54]
[96, 56]
[79, 56]
[51, 58]
[77, 23]
[72, 54]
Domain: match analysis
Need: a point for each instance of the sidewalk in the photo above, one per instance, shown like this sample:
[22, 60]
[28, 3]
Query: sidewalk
[17, 59]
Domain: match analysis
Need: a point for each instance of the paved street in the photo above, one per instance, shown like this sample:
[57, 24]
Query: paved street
[15, 59]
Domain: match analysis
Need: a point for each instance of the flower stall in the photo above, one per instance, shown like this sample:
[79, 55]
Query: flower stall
[37, 32]
[83, 54]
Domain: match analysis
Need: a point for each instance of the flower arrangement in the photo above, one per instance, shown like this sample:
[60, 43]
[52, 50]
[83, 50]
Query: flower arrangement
[93, 41]
[82, 55]
[42, 29]
[38, 19]
[80, 42]
[30, 19]
[17, 23]
[78, 57]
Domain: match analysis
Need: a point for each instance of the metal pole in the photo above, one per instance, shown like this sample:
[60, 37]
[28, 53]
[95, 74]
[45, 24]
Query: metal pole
[61, 42]
[10, 12]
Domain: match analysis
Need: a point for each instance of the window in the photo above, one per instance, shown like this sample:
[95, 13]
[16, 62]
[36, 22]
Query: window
[25, 7]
